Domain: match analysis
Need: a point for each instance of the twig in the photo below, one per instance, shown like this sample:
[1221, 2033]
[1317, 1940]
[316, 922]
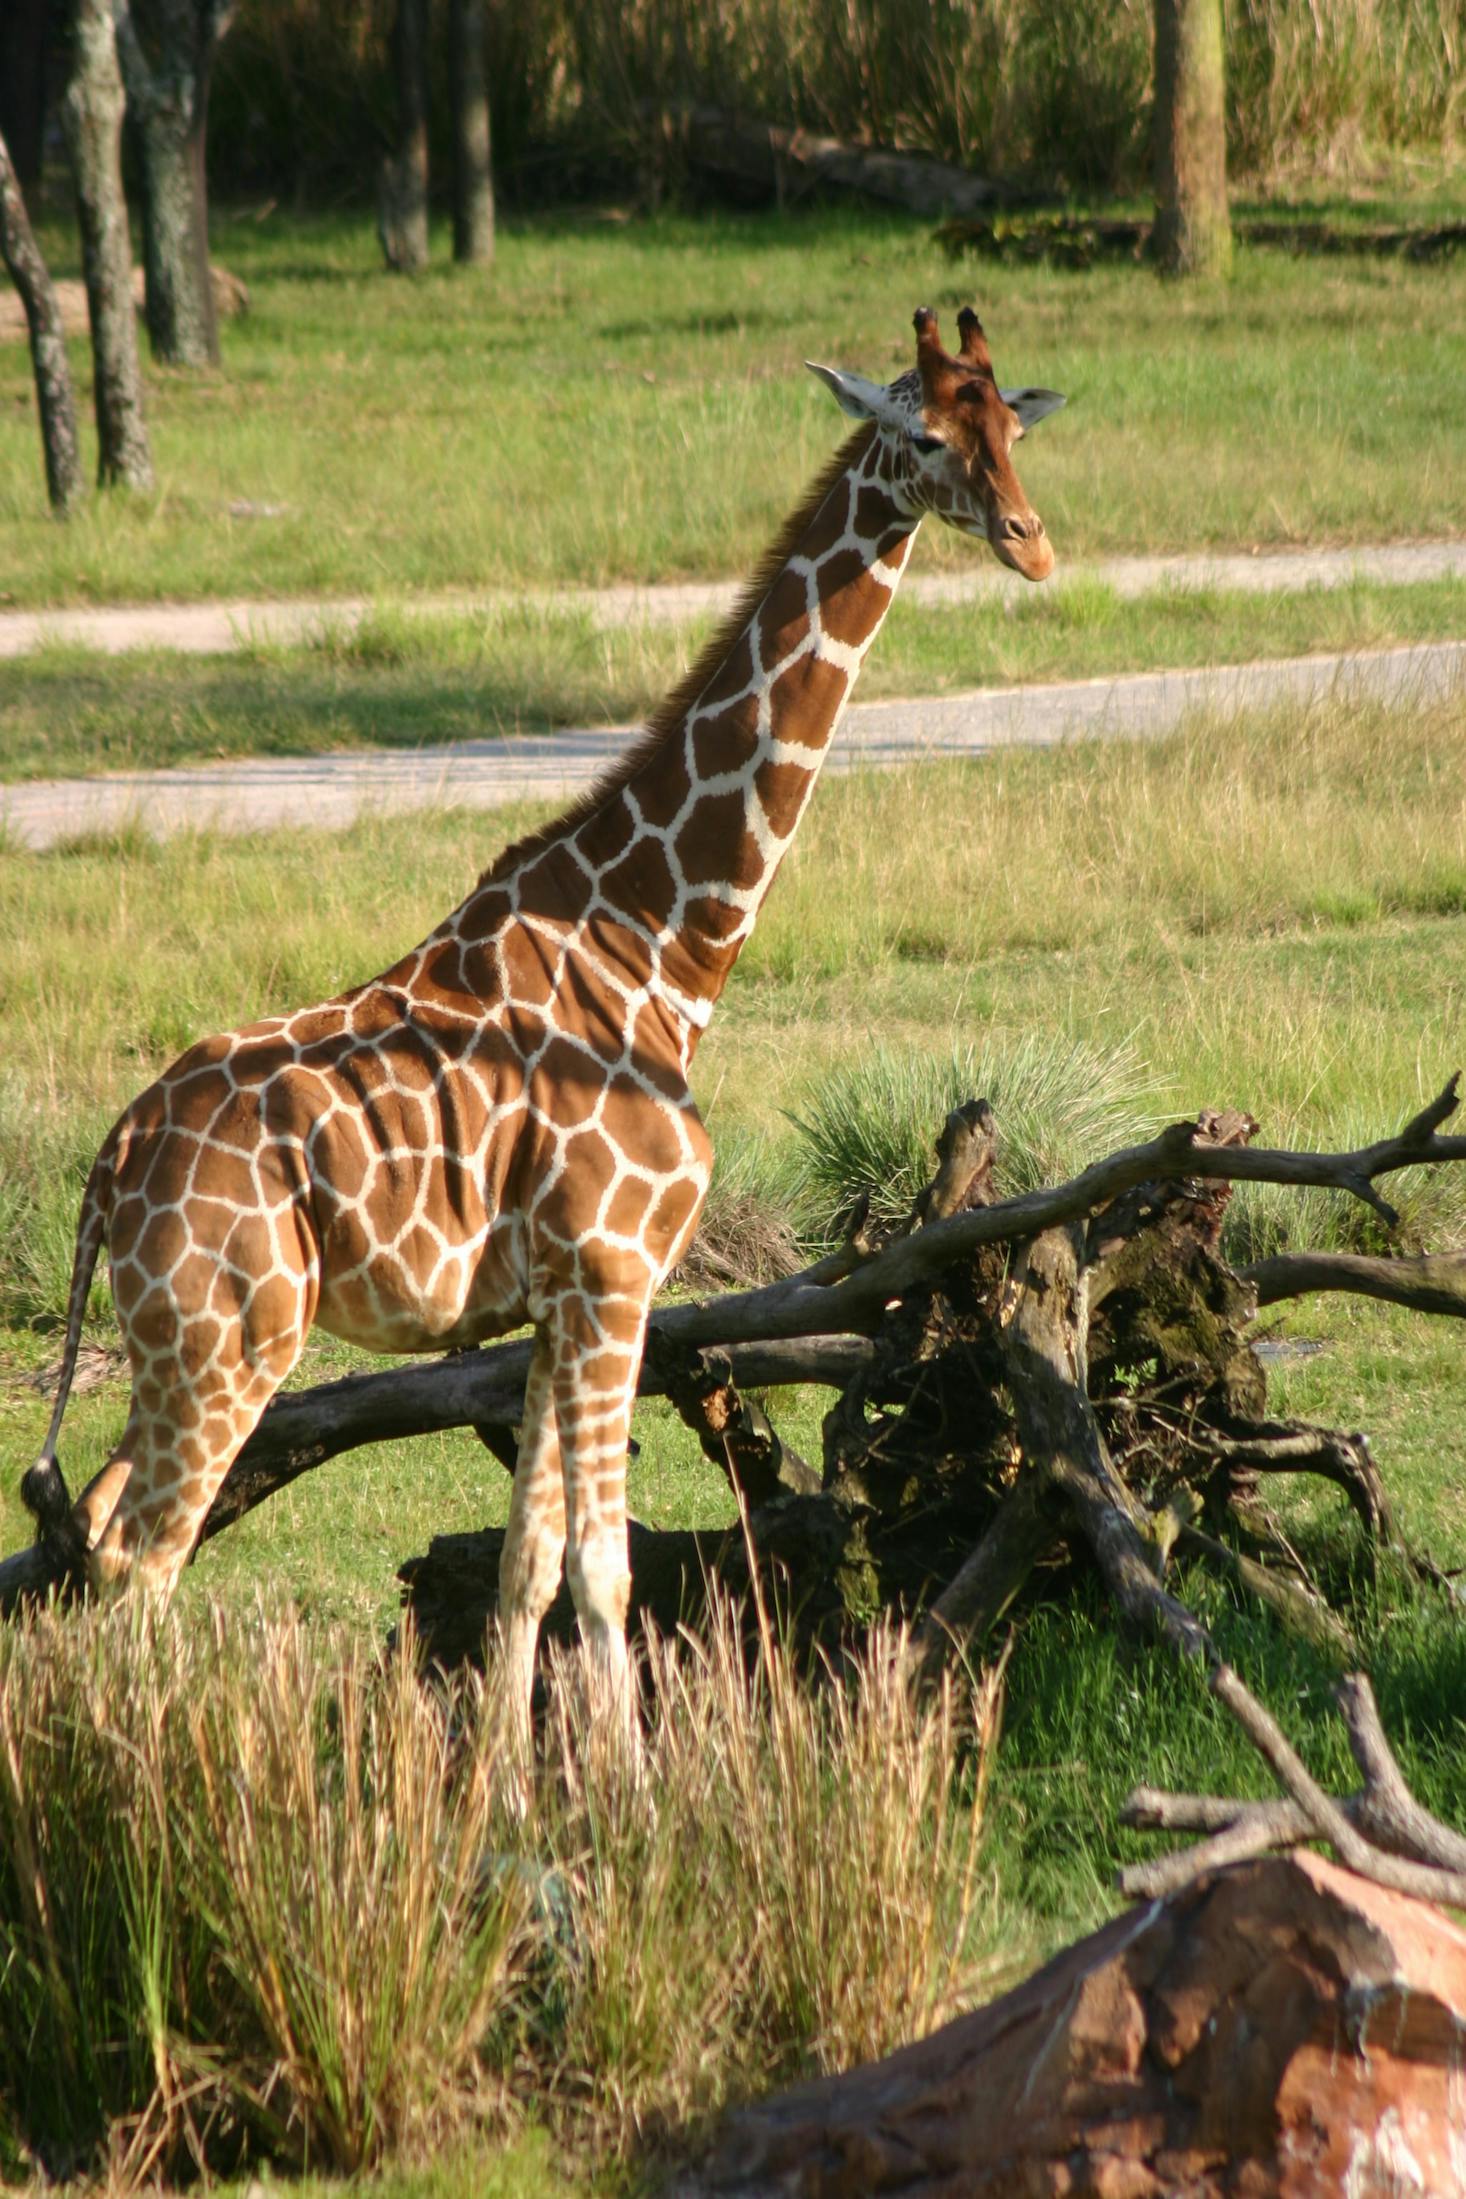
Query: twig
[1382, 1831]
[804, 1305]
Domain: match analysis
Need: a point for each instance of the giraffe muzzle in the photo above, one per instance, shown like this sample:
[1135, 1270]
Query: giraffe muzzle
[1019, 540]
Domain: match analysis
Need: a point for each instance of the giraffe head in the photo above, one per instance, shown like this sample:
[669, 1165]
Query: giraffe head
[948, 432]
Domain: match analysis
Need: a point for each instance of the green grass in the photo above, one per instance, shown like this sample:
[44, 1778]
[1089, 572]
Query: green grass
[402, 681]
[626, 400]
[1269, 912]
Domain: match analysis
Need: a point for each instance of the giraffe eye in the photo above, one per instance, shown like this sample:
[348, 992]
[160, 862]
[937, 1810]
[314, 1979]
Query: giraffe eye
[926, 444]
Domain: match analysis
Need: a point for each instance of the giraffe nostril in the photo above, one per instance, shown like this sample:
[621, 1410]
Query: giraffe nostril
[1018, 530]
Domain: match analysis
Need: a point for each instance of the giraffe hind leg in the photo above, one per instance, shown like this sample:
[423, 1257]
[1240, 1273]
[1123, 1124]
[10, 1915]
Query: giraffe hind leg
[141, 1515]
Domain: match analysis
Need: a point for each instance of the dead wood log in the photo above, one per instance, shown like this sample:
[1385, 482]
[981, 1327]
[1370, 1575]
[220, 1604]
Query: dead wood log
[766, 161]
[481, 1390]
[1279, 2029]
[1064, 1448]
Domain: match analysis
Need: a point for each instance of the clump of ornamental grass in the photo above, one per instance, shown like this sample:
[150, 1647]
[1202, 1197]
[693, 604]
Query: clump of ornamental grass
[266, 1895]
[242, 1892]
[867, 1130]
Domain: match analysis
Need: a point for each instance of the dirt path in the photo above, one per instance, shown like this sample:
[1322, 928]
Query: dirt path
[328, 791]
[213, 628]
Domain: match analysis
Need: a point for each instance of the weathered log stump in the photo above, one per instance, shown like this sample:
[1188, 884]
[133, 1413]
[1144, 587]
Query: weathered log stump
[1281, 2030]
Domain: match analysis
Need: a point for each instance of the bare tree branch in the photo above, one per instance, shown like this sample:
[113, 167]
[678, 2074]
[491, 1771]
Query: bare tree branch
[1382, 1831]
[1433, 1282]
[804, 1305]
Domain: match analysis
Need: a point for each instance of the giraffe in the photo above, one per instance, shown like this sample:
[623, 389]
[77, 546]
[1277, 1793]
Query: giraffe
[499, 1129]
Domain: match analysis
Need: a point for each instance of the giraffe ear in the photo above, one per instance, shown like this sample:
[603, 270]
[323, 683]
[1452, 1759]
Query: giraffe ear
[1032, 405]
[861, 399]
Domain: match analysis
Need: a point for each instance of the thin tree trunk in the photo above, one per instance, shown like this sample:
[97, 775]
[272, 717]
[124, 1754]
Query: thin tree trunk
[403, 184]
[92, 111]
[169, 98]
[1193, 230]
[54, 397]
[473, 176]
[23, 26]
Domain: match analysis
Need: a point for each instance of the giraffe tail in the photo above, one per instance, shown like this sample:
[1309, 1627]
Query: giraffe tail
[43, 1488]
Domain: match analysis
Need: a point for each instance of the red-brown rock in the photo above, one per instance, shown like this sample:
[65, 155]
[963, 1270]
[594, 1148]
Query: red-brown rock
[1281, 2028]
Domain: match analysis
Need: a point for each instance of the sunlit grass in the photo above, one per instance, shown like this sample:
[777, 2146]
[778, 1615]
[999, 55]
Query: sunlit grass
[629, 402]
[404, 681]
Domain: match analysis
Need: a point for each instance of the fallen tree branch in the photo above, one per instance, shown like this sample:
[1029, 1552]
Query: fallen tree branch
[803, 1306]
[1429, 1282]
[802, 1329]
[483, 1390]
[1063, 1446]
[1382, 1831]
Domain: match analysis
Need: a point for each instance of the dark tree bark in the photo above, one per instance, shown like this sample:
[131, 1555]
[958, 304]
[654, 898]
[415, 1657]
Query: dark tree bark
[92, 111]
[473, 176]
[1193, 231]
[23, 28]
[167, 51]
[403, 182]
[54, 397]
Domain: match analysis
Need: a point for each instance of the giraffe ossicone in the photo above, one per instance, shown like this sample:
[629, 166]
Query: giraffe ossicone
[499, 1128]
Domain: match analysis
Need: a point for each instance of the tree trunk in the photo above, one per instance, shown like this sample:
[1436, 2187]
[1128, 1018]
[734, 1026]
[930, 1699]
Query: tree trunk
[1282, 2029]
[92, 111]
[473, 176]
[23, 26]
[403, 183]
[1193, 231]
[54, 396]
[168, 93]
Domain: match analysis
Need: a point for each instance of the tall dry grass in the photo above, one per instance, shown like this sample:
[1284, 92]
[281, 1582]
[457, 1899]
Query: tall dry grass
[1060, 93]
[266, 1896]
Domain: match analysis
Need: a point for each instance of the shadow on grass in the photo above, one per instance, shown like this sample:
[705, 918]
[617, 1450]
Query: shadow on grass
[75, 721]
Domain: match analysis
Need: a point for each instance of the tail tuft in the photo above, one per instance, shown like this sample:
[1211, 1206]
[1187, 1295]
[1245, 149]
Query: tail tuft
[58, 1530]
[43, 1493]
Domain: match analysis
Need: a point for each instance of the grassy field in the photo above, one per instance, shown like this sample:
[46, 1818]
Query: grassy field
[1267, 914]
[400, 681]
[625, 399]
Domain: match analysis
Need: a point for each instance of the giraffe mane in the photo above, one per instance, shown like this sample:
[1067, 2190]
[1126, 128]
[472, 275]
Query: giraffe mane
[670, 713]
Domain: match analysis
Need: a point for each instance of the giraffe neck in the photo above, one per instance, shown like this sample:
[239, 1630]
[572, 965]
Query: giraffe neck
[686, 841]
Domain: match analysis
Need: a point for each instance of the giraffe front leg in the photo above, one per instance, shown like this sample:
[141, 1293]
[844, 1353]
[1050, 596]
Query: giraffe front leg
[598, 1341]
[534, 1542]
